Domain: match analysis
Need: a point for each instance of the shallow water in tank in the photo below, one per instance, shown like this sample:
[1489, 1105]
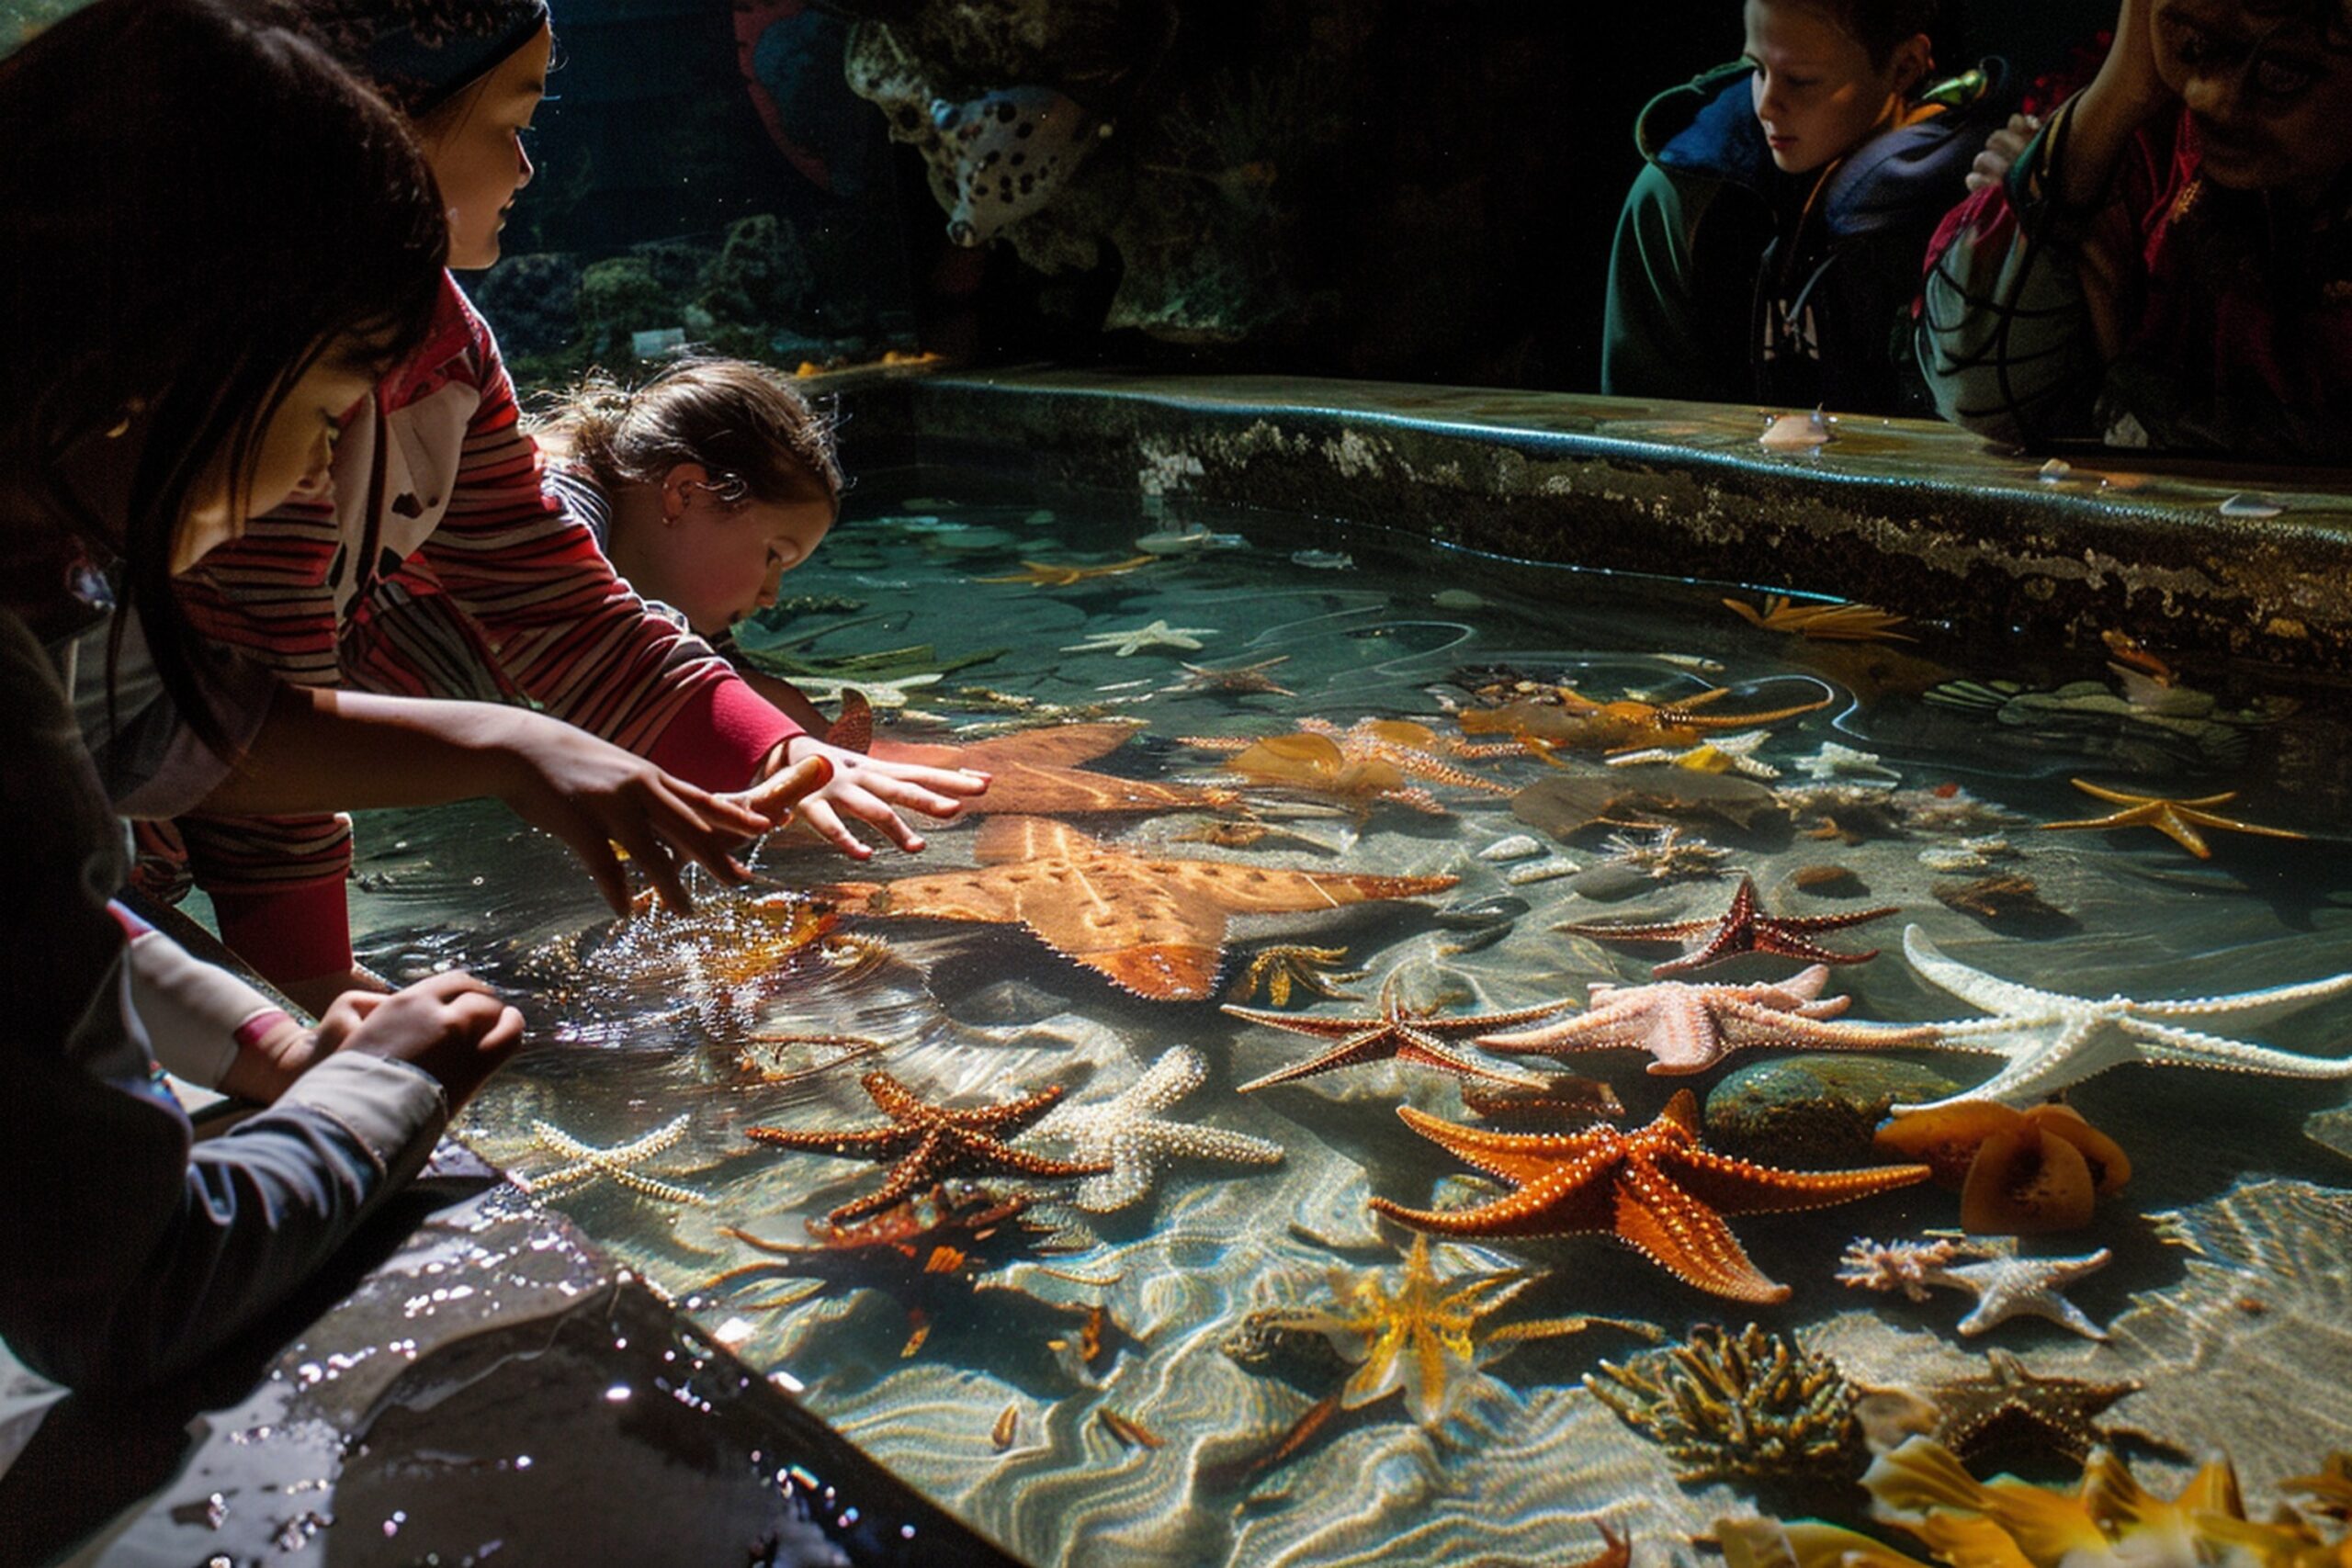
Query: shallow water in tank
[1199, 1374]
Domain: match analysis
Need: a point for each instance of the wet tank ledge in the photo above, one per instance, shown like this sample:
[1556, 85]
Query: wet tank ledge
[2195, 557]
[475, 1380]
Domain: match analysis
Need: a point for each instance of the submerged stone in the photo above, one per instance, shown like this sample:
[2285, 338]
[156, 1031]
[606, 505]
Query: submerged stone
[1817, 1109]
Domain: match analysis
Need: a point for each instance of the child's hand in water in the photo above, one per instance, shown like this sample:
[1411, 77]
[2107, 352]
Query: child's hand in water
[451, 1025]
[875, 792]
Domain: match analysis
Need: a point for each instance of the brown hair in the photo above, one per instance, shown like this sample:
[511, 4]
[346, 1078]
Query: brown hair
[748, 424]
[1882, 26]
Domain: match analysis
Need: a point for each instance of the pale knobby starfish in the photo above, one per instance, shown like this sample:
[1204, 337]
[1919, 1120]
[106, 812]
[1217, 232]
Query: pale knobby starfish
[2176, 819]
[1122, 645]
[1428, 1338]
[1687, 1029]
[1123, 1130]
[617, 1164]
[2053, 1040]
[2004, 1284]
[1398, 1030]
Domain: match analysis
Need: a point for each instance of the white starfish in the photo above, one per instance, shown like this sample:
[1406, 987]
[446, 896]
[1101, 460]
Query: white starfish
[1160, 634]
[2053, 1040]
[880, 693]
[1123, 1131]
[1836, 761]
[617, 1164]
[2004, 1284]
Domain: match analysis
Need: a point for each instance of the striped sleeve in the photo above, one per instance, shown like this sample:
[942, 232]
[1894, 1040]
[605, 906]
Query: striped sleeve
[565, 630]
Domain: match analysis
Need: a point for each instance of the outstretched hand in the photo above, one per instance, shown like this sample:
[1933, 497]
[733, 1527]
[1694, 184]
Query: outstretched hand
[594, 796]
[875, 792]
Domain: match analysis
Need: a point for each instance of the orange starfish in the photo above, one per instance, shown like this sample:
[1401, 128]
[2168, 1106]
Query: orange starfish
[1035, 772]
[1847, 621]
[1061, 574]
[1575, 720]
[1407, 1034]
[1656, 1188]
[1155, 927]
[2176, 819]
[1743, 927]
[929, 1142]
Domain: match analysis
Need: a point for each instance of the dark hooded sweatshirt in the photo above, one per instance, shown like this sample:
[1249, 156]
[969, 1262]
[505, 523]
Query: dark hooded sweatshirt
[1732, 282]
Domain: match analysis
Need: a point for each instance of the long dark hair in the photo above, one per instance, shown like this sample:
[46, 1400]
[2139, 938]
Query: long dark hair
[197, 201]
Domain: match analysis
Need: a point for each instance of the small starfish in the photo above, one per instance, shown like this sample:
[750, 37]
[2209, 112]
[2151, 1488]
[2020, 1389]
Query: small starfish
[617, 1164]
[1059, 574]
[2053, 1040]
[1407, 1034]
[1279, 968]
[1123, 1132]
[1656, 1188]
[1122, 645]
[2004, 1284]
[2177, 819]
[2007, 1403]
[877, 693]
[1845, 622]
[1239, 679]
[1575, 721]
[1687, 1029]
[927, 1143]
[1742, 928]
[1428, 1338]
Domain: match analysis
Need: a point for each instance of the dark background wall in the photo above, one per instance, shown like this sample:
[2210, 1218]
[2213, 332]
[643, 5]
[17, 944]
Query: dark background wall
[1355, 187]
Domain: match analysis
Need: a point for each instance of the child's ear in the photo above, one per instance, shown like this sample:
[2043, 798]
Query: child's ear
[1914, 59]
[683, 475]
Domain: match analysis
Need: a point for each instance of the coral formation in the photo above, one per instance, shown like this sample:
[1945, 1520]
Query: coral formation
[1753, 1406]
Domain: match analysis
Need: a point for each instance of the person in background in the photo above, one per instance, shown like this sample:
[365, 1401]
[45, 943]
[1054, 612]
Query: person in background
[437, 512]
[705, 485]
[178, 344]
[1771, 250]
[2167, 262]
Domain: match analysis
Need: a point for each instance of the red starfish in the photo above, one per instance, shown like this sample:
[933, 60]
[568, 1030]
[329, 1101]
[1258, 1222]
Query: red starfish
[1743, 927]
[1407, 1034]
[931, 1142]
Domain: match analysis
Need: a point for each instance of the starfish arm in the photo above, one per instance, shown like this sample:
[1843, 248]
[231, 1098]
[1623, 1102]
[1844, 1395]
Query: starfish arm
[913, 1171]
[1418, 1047]
[2044, 1061]
[1774, 939]
[1121, 1186]
[860, 1143]
[1192, 1141]
[1660, 930]
[662, 1191]
[2171, 1047]
[1470, 1025]
[1518, 1158]
[1747, 1023]
[1305, 1023]
[1974, 986]
[1685, 1238]
[1740, 1187]
[2207, 819]
[1178, 1073]
[1621, 1021]
[2250, 1006]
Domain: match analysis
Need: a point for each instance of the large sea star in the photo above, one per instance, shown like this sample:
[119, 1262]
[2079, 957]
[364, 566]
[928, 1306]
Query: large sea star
[1742, 928]
[1125, 1131]
[2052, 1040]
[1687, 1029]
[1156, 927]
[2176, 819]
[1654, 1187]
[928, 1143]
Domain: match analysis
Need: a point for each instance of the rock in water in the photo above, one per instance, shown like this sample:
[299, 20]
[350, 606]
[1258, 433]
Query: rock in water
[1815, 1110]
